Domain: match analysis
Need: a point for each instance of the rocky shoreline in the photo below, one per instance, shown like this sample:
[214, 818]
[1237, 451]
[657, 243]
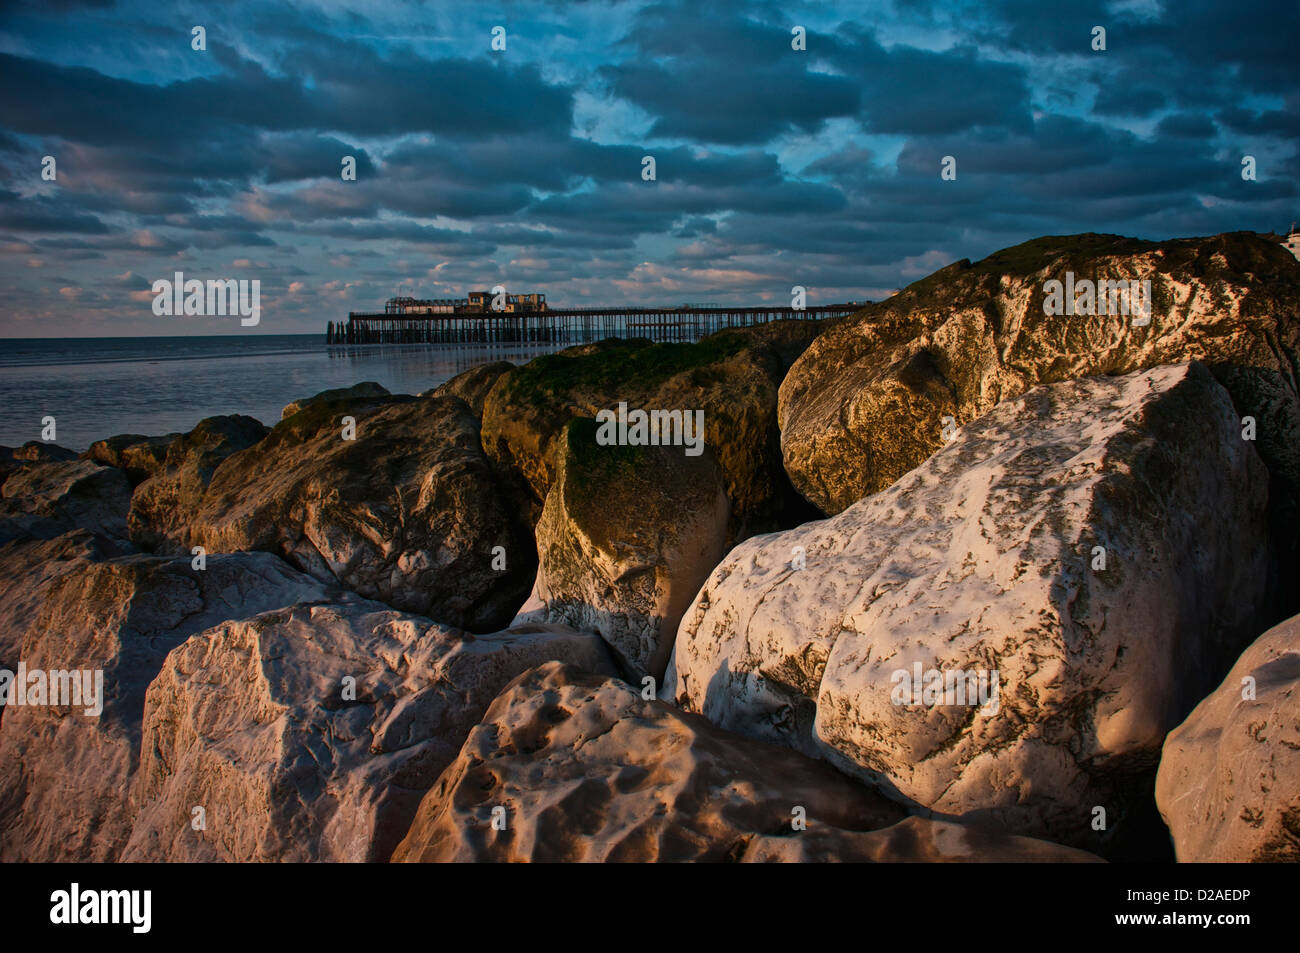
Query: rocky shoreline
[462, 626]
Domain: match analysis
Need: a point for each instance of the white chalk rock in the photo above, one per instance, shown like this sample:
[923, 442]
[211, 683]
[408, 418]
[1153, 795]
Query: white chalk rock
[988, 559]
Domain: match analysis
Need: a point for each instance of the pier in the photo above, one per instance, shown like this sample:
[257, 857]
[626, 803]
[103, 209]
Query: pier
[562, 326]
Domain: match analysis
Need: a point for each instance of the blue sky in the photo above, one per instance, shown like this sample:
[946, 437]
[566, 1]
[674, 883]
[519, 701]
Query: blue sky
[775, 167]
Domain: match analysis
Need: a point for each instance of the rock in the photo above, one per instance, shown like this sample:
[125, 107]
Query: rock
[163, 505]
[9, 464]
[139, 456]
[366, 390]
[1229, 780]
[865, 402]
[627, 537]
[473, 385]
[45, 500]
[37, 451]
[586, 770]
[64, 793]
[28, 568]
[984, 559]
[912, 840]
[250, 721]
[732, 376]
[407, 512]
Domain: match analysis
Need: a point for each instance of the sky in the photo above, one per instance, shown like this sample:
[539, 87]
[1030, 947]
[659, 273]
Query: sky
[774, 166]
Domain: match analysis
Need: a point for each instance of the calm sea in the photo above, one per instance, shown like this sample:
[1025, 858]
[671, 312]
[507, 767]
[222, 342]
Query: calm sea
[98, 387]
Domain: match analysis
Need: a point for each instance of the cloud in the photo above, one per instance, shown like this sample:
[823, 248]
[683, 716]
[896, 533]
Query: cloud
[771, 164]
[916, 91]
[42, 213]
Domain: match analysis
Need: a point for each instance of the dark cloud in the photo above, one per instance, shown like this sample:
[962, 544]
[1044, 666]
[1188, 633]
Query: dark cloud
[351, 90]
[40, 213]
[725, 77]
[293, 157]
[732, 101]
[1268, 122]
[914, 91]
[770, 163]
[1208, 41]
[1186, 126]
[1116, 99]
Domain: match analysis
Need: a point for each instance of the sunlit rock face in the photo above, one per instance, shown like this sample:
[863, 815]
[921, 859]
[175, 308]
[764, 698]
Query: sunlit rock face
[1229, 781]
[163, 506]
[136, 455]
[1100, 546]
[65, 790]
[866, 402]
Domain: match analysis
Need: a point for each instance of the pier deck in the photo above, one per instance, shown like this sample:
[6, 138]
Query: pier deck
[563, 325]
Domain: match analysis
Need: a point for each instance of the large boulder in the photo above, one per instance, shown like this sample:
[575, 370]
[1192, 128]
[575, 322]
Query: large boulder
[732, 376]
[408, 512]
[1093, 554]
[366, 390]
[1229, 781]
[472, 386]
[38, 451]
[29, 567]
[9, 464]
[45, 500]
[627, 537]
[64, 792]
[582, 768]
[140, 457]
[163, 506]
[255, 723]
[866, 402]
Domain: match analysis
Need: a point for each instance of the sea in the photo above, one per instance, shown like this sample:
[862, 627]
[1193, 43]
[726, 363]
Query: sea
[97, 387]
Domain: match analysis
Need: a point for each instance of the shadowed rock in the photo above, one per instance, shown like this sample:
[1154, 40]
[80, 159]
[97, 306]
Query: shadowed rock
[255, 722]
[9, 464]
[915, 840]
[45, 500]
[626, 539]
[584, 769]
[408, 512]
[37, 451]
[732, 376]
